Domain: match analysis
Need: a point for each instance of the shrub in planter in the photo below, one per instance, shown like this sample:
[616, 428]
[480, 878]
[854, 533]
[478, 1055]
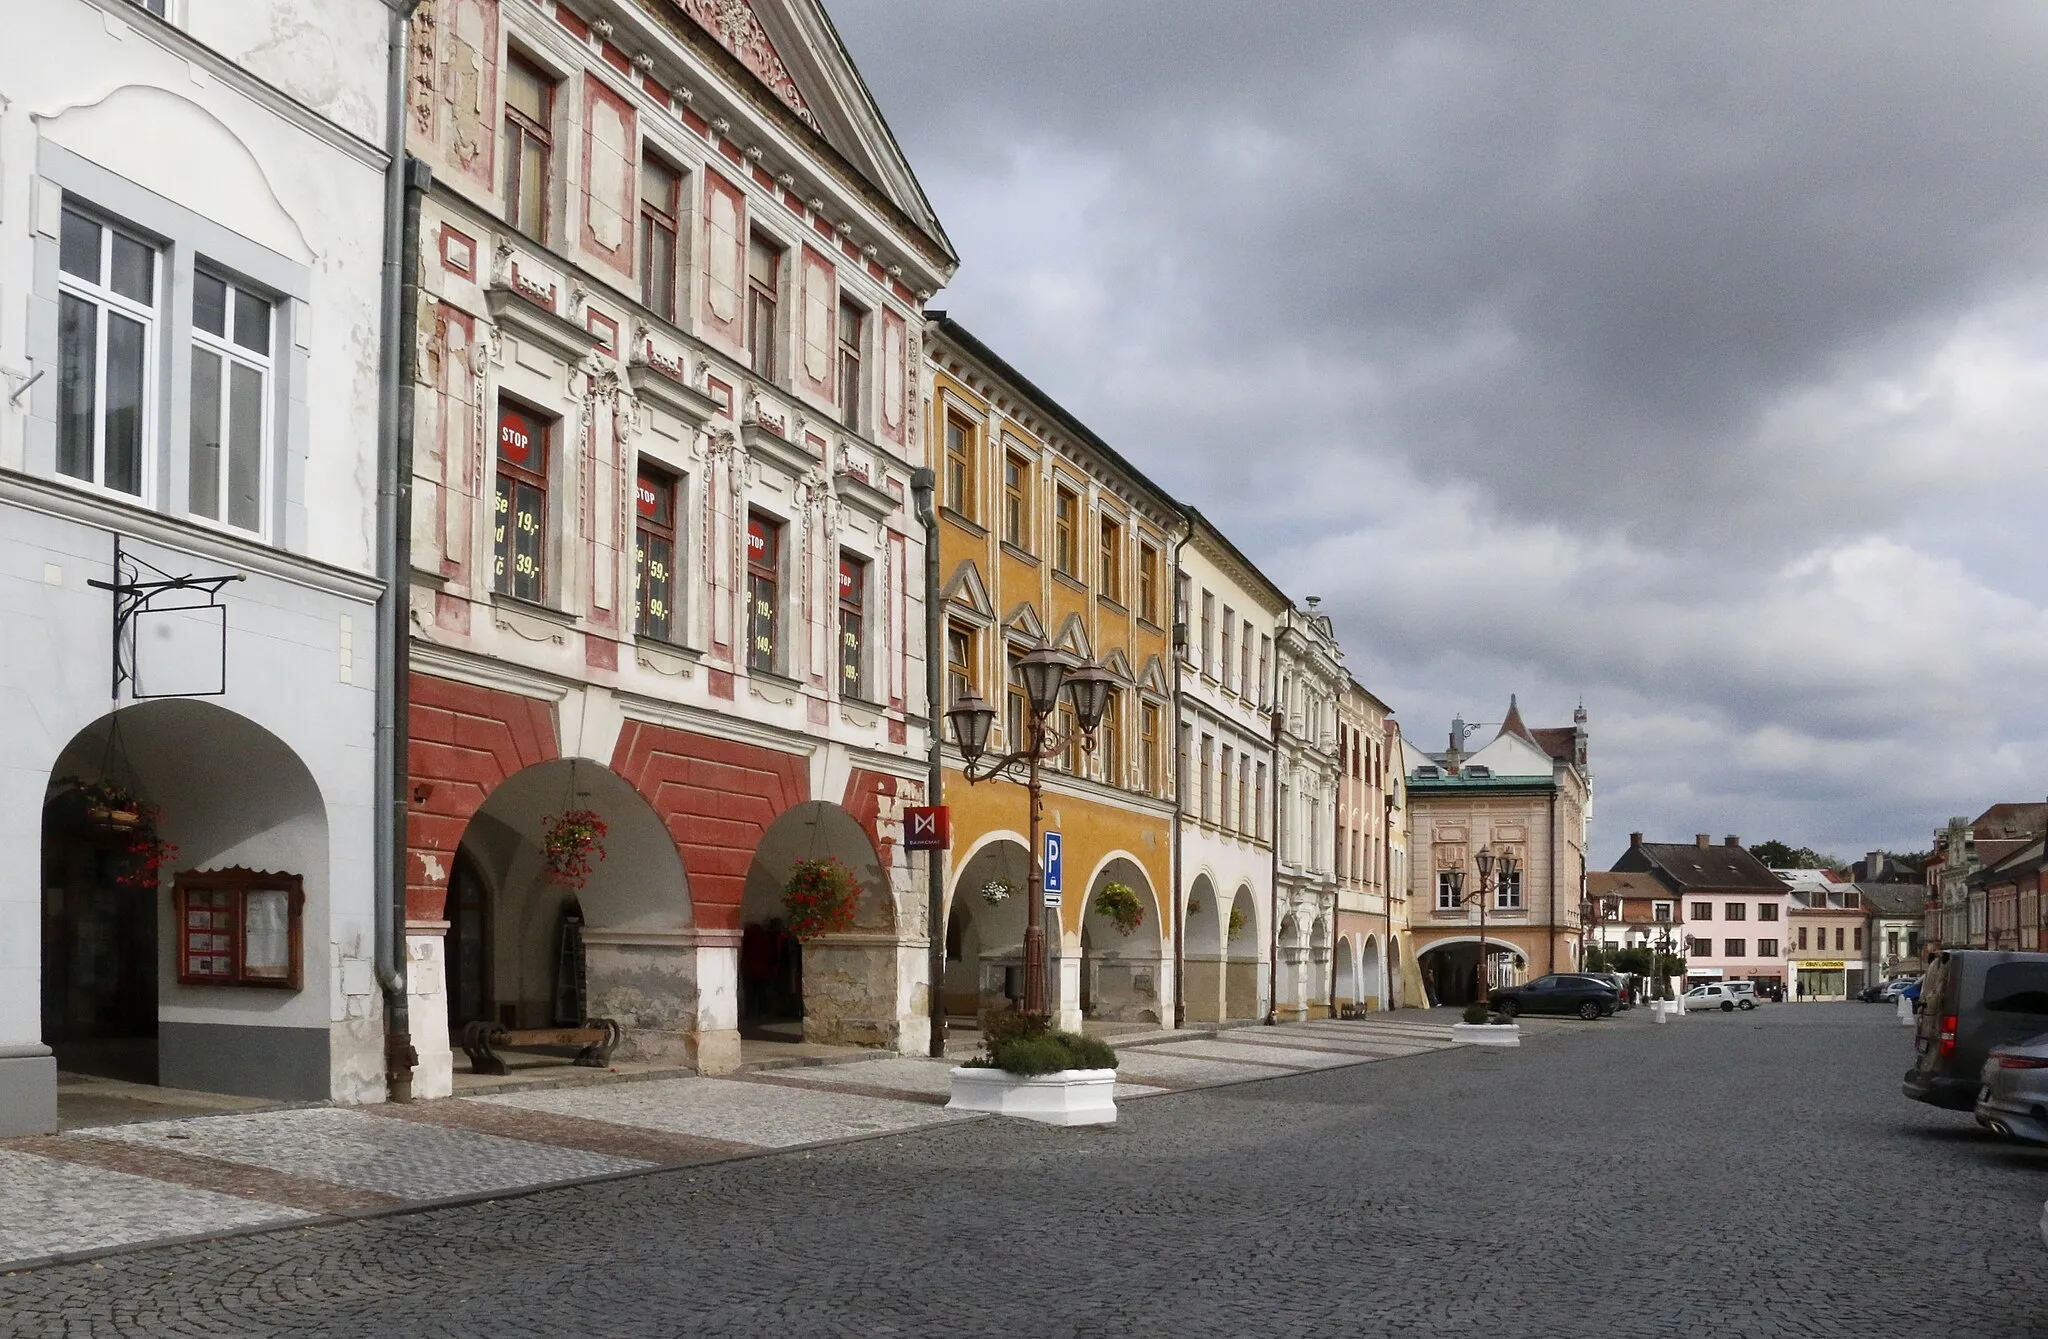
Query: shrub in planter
[1027, 1045]
[820, 896]
[1119, 902]
[1475, 1012]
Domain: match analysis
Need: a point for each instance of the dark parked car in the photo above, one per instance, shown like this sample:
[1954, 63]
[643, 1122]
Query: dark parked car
[1559, 993]
[1970, 1001]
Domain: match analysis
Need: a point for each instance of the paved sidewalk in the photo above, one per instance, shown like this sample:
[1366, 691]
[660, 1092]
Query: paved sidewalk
[89, 1191]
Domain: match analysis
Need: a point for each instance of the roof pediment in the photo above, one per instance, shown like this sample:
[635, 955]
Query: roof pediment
[966, 589]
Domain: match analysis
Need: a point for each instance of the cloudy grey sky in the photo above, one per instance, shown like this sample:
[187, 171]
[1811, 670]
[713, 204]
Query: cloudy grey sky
[1689, 359]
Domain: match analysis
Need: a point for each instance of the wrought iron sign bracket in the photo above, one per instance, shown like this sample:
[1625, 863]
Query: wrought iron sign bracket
[133, 595]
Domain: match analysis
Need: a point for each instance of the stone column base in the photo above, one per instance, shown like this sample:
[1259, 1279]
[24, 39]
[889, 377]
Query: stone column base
[28, 1090]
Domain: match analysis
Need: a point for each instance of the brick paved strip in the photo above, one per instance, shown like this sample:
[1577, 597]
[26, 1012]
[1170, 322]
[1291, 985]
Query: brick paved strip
[781, 1080]
[547, 1127]
[185, 1169]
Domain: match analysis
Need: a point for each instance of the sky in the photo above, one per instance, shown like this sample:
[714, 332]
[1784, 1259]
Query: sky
[1690, 361]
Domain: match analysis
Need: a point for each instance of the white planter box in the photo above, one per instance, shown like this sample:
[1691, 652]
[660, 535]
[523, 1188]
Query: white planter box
[1069, 1097]
[1487, 1034]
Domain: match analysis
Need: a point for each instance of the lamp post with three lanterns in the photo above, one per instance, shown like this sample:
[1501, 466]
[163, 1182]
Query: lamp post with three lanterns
[1490, 866]
[1043, 672]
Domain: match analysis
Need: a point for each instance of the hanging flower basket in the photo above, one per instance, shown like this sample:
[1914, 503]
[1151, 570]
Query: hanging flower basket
[110, 807]
[135, 826]
[995, 892]
[1237, 920]
[568, 841]
[1119, 902]
[820, 898]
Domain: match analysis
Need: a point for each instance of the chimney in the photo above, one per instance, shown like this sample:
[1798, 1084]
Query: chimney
[1732, 840]
[1635, 839]
[1703, 839]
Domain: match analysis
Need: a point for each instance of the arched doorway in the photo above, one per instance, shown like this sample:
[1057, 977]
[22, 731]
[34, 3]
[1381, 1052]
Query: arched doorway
[1450, 967]
[1293, 1001]
[838, 988]
[130, 991]
[1123, 974]
[1319, 966]
[1347, 974]
[985, 919]
[529, 947]
[1241, 979]
[1370, 982]
[1202, 957]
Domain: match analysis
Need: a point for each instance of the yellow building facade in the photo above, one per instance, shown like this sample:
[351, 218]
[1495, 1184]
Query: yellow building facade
[1048, 537]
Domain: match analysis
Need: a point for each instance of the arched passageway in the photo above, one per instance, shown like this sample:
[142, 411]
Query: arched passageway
[985, 931]
[1371, 984]
[1123, 968]
[1293, 945]
[1242, 982]
[1203, 957]
[192, 973]
[1450, 968]
[1347, 973]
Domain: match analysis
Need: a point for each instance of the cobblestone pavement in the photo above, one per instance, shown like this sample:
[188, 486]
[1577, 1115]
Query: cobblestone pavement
[93, 1189]
[1751, 1174]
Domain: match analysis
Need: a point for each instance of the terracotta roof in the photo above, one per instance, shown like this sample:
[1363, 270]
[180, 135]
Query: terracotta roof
[1685, 866]
[2011, 820]
[1609, 883]
[1511, 724]
[1559, 741]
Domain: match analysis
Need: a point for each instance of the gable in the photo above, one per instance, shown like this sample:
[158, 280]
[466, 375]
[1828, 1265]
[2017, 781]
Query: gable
[1023, 621]
[1512, 755]
[967, 590]
[739, 30]
[1073, 638]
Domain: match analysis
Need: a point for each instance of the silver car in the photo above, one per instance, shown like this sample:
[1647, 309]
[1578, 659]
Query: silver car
[2014, 1097]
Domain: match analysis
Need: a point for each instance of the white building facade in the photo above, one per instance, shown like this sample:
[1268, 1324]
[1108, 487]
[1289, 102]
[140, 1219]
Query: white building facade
[1228, 679]
[190, 264]
[1312, 677]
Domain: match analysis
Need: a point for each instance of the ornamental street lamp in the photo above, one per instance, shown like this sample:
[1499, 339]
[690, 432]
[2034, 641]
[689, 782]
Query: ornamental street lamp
[1489, 865]
[1043, 673]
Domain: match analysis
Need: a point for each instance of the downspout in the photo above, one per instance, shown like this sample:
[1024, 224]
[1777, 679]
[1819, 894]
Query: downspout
[394, 493]
[1180, 786]
[923, 483]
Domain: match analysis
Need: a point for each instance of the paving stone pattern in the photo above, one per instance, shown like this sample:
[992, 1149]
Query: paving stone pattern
[49, 1207]
[1755, 1175]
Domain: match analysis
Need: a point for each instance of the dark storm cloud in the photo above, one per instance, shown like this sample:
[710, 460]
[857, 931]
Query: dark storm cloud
[1686, 357]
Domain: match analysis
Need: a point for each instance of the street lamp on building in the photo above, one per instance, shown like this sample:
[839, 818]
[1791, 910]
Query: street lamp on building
[1491, 867]
[1043, 673]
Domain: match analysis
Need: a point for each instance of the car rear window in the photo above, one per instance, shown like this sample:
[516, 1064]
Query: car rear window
[2017, 988]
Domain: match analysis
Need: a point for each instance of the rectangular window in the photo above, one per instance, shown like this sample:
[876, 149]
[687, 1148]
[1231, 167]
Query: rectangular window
[1066, 511]
[1891, 943]
[1660, 911]
[764, 591]
[853, 324]
[1703, 911]
[238, 928]
[230, 413]
[1857, 943]
[1148, 748]
[1447, 898]
[1610, 908]
[1111, 749]
[1207, 661]
[1734, 911]
[1245, 686]
[1017, 501]
[529, 145]
[1206, 780]
[1226, 661]
[853, 599]
[1734, 948]
[1148, 582]
[1017, 707]
[1110, 579]
[1265, 655]
[1838, 939]
[1071, 758]
[960, 467]
[520, 535]
[106, 341]
[1244, 799]
[1767, 911]
[1767, 948]
[959, 661]
[661, 194]
[1225, 779]
[1802, 938]
[764, 276]
[1507, 892]
[654, 554]
[1259, 802]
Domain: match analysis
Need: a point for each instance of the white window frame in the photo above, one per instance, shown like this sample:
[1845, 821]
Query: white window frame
[104, 299]
[1447, 896]
[266, 365]
[1507, 892]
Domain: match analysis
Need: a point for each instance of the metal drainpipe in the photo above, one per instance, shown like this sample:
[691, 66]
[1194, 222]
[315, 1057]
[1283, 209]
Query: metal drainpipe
[1180, 782]
[923, 483]
[394, 469]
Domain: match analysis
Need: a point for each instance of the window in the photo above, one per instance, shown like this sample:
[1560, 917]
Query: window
[1891, 943]
[1208, 790]
[959, 467]
[959, 661]
[239, 928]
[1245, 818]
[529, 145]
[1225, 779]
[1265, 654]
[1610, 908]
[1507, 893]
[230, 412]
[1767, 911]
[1857, 943]
[1109, 579]
[1838, 939]
[1660, 911]
[1017, 720]
[764, 585]
[1226, 660]
[519, 539]
[1017, 501]
[2016, 988]
[1246, 688]
[1703, 911]
[1208, 634]
[1148, 582]
[106, 327]
[1148, 748]
[661, 193]
[1767, 948]
[1802, 938]
[1734, 948]
[1701, 948]
[654, 554]
[1112, 740]
[1734, 911]
[1066, 509]
[1447, 891]
[852, 326]
[1071, 757]
[853, 599]
[764, 273]
[1259, 802]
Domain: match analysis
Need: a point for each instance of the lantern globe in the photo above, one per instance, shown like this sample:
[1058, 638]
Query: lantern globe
[970, 718]
[1043, 672]
[1089, 687]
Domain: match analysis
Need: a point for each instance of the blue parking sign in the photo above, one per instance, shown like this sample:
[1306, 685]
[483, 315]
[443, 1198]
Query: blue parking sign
[1053, 885]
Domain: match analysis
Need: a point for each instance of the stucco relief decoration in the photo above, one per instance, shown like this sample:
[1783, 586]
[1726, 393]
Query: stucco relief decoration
[426, 23]
[737, 29]
[465, 82]
[723, 220]
[610, 179]
[895, 352]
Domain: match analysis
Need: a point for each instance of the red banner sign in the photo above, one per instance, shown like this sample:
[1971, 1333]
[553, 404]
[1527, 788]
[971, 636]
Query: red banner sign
[927, 827]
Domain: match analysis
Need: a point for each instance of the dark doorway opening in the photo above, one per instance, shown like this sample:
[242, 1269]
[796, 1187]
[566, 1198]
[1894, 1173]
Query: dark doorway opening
[99, 950]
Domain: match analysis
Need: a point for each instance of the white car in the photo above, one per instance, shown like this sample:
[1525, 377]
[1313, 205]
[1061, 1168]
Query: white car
[1725, 998]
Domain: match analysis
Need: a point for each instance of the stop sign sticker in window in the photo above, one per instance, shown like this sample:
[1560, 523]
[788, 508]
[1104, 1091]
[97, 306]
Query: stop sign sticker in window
[515, 437]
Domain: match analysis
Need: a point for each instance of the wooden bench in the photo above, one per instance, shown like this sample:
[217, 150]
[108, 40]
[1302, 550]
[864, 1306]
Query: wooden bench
[598, 1037]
